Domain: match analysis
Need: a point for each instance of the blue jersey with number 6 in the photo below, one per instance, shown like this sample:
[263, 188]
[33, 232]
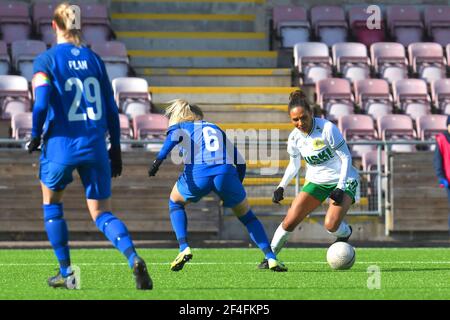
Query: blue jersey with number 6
[205, 149]
[80, 107]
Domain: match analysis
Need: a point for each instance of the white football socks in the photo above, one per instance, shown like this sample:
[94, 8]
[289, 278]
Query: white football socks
[342, 231]
[280, 237]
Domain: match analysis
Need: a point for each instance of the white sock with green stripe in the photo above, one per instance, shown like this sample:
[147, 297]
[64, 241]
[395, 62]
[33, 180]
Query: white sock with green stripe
[342, 232]
[280, 237]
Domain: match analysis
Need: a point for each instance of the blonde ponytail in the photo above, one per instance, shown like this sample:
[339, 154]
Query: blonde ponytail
[63, 17]
[180, 111]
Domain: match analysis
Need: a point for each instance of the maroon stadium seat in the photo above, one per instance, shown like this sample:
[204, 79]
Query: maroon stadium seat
[437, 23]
[397, 127]
[42, 21]
[23, 53]
[427, 60]
[148, 126]
[430, 125]
[291, 25]
[405, 24]
[312, 61]
[389, 60]
[440, 95]
[15, 22]
[411, 96]
[115, 56]
[358, 127]
[329, 24]
[358, 17]
[125, 129]
[131, 95]
[95, 23]
[21, 125]
[4, 59]
[335, 97]
[14, 96]
[373, 97]
[370, 163]
[351, 60]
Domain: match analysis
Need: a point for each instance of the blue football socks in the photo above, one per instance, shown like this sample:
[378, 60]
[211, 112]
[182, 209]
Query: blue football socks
[179, 223]
[58, 235]
[116, 232]
[257, 233]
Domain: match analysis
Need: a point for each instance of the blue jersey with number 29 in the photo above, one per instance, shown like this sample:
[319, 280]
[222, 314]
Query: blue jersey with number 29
[80, 106]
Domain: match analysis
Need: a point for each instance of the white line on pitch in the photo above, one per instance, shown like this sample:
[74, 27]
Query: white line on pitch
[223, 263]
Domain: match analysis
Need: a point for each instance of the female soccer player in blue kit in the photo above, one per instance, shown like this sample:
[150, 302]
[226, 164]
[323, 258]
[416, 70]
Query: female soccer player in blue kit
[209, 159]
[74, 109]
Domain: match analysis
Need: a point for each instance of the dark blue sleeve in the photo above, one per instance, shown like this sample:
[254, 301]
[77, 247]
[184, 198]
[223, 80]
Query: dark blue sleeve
[112, 111]
[41, 91]
[40, 108]
[239, 161]
[172, 139]
[437, 163]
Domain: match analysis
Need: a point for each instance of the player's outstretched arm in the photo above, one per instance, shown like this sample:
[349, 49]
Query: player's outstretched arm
[173, 138]
[291, 171]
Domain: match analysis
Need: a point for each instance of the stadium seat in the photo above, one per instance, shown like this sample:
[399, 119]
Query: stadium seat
[389, 61]
[125, 131]
[358, 18]
[351, 60]
[4, 59]
[440, 95]
[373, 96]
[427, 60]
[397, 127]
[370, 163]
[23, 53]
[312, 61]
[14, 96]
[21, 125]
[131, 95]
[335, 97]
[150, 126]
[437, 23]
[358, 127]
[291, 25]
[42, 21]
[405, 24]
[430, 125]
[447, 50]
[114, 54]
[95, 23]
[329, 24]
[15, 22]
[411, 97]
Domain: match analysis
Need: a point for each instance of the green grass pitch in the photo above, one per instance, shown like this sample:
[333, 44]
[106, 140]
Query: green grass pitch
[232, 274]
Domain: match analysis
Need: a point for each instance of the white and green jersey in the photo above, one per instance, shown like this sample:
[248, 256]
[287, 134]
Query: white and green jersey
[318, 149]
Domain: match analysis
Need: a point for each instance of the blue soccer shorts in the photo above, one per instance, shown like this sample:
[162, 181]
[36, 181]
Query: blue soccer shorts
[227, 186]
[96, 177]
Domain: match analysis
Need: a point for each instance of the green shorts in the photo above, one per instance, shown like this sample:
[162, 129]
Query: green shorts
[322, 191]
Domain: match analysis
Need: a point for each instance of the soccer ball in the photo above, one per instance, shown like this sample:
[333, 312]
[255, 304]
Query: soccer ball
[341, 256]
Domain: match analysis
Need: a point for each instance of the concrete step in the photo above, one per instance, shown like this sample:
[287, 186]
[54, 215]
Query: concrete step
[239, 116]
[223, 95]
[184, 21]
[203, 59]
[216, 77]
[187, 6]
[156, 40]
[160, 107]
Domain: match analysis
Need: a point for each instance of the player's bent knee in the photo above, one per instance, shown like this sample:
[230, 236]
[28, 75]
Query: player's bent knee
[53, 211]
[175, 206]
[241, 209]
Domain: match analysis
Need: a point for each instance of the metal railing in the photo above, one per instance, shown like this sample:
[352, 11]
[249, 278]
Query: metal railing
[377, 203]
